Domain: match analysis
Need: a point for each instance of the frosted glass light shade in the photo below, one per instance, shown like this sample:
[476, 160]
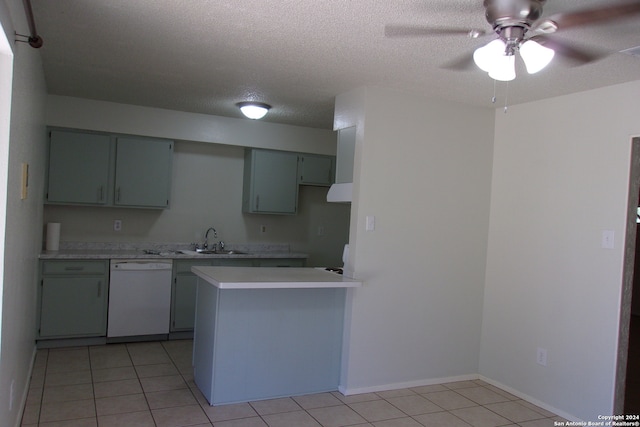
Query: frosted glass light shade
[485, 56]
[504, 68]
[535, 56]
[254, 110]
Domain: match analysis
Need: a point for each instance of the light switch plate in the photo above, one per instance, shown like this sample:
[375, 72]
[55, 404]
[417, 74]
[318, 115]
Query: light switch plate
[608, 239]
[370, 223]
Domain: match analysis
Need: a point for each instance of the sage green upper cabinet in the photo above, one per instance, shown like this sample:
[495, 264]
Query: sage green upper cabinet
[87, 168]
[143, 172]
[316, 169]
[79, 165]
[270, 182]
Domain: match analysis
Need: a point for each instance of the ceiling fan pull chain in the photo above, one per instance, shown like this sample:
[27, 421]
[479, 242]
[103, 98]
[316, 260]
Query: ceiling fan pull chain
[493, 100]
[506, 97]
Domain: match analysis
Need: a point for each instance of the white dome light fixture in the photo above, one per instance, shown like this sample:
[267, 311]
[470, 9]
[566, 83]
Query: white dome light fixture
[254, 110]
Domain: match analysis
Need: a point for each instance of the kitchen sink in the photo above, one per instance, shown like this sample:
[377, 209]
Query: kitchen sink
[207, 252]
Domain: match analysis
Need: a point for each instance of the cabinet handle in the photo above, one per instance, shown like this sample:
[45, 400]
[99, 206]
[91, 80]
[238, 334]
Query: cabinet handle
[74, 268]
[99, 289]
[118, 194]
[258, 202]
[100, 193]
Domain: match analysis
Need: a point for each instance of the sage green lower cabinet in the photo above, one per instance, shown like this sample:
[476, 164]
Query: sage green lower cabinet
[183, 298]
[73, 299]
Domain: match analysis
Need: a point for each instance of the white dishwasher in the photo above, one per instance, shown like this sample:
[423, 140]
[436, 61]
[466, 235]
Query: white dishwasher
[139, 297]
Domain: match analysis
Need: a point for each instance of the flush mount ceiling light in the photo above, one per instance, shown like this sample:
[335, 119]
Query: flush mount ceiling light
[254, 110]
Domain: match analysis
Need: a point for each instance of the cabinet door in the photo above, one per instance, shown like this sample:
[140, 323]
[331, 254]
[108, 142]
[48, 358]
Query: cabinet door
[184, 302]
[78, 168]
[271, 182]
[73, 306]
[316, 170]
[143, 172]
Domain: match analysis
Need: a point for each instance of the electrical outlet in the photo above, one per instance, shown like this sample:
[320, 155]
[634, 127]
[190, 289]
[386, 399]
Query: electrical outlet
[117, 225]
[541, 356]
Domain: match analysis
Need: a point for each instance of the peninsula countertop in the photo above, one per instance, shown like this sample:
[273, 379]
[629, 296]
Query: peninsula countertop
[273, 278]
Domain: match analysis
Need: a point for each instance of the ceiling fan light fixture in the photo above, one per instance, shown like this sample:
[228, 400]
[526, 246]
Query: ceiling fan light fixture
[254, 110]
[535, 56]
[485, 56]
[504, 68]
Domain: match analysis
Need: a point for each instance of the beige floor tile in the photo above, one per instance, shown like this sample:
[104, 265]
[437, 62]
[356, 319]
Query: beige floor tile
[545, 422]
[319, 400]
[59, 411]
[117, 388]
[429, 388]
[159, 370]
[151, 353]
[108, 361]
[229, 412]
[414, 405]
[455, 385]
[170, 398]
[169, 382]
[291, 419]
[538, 409]
[34, 395]
[479, 416]
[502, 392]
[481, 395]
[121, 404]
[179, 416]
[245, 422]
[440, 419]
[83, 422]
[114, 374]
[398, 422]
[274, 406]
[66, 393]
[354, 398]
[395, 393]
[131, 419]
[335, 416]
[68, 366]
[514, 411]
[376, 410]
[449, 400]
[31, 414]
[68, 378]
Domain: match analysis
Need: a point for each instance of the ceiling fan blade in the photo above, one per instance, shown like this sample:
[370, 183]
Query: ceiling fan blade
[576, 55]
[421, 31]
[461, 63]
[595, 15]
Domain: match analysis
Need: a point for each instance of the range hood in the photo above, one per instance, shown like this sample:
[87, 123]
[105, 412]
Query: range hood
[340, 192]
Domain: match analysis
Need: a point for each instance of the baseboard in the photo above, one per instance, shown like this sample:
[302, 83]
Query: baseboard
[27, 384]
[407, 384]
[531, 400]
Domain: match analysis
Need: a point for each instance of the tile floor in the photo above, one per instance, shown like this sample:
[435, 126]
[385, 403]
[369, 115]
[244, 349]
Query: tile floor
[151, 384]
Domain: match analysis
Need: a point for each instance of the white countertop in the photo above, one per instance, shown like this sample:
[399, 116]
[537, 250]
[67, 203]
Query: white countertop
[272, 278]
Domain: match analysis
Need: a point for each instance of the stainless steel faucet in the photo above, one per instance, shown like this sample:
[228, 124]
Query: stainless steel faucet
[206, 238]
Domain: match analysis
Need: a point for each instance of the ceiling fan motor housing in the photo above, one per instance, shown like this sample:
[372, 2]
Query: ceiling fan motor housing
[509, 13]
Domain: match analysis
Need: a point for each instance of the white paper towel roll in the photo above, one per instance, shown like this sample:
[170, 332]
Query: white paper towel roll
[53, 236]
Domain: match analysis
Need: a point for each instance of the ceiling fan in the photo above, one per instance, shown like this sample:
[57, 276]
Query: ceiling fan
[520, 29]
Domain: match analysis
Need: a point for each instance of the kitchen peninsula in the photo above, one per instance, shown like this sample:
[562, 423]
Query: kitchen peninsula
[263, 333]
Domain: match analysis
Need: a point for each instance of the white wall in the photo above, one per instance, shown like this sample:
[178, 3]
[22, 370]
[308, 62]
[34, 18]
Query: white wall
[560, 177]
[136, 120]
[207, 192]
[23, 235]
[423, 169]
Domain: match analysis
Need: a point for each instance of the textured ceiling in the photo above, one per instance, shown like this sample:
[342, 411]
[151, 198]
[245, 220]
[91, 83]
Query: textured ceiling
[297, 55]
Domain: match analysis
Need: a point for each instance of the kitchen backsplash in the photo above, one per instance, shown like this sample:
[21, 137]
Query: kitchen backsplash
[163, 247]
